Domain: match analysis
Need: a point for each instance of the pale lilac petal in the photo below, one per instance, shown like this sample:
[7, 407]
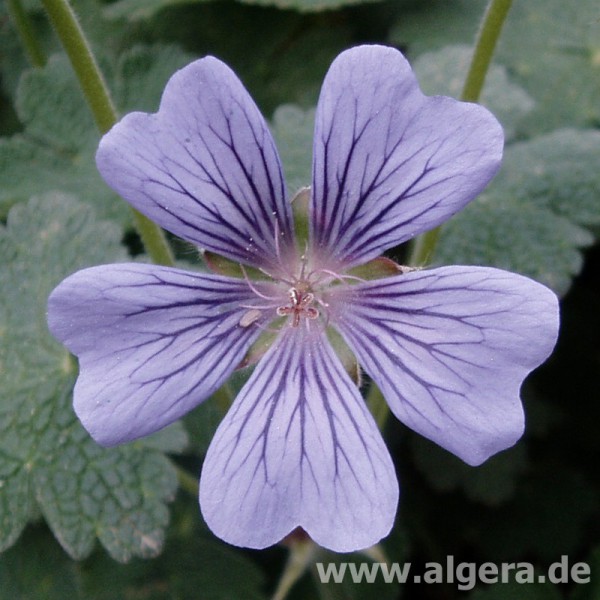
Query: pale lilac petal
[152, 342]
[389, 162]
[450, 348]
[205, 166]
[299, 448]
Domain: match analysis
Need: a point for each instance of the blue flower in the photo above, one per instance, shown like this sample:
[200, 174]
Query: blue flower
[449, 347]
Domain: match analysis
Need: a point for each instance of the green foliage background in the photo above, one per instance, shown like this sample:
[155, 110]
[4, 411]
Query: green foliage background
[81, 522]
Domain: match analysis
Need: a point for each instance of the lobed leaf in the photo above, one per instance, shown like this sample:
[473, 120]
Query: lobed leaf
[137, 10]
[38, 568]
[550, 48]
[557, 171]
[56, 149]
[530, 219]
[48, 462]
[443, 72]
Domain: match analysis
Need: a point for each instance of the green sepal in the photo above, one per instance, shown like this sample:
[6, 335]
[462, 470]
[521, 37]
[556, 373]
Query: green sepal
[379, 268]
[224, 266]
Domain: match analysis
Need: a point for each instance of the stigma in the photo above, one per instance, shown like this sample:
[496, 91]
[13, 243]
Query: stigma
[300, 305]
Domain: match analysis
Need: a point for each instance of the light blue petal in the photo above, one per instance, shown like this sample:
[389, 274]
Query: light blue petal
[298, 448]
[449, 348]
[153, 342]
[390, 162]
[205, 166]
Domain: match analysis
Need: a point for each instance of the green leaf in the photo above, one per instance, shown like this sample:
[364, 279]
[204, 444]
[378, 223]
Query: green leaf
[192, 565]
[104, 37]
[558, 171]
[42, 92]
[289, 63]
[529, 219]
[56, 150]
[48, 462]
[57, 147]
[136, 10]
[142, 73]
[492, 483]
[515, 236]
[553, 49]
[443, 72]
[550, 47]
[425, 26]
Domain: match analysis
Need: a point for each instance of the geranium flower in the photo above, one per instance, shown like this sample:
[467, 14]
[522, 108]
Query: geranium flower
[449, 347]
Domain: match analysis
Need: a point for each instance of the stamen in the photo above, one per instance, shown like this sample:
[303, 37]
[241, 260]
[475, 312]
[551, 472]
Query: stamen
[250, 317]
[253, 287]
[258, 306]
[337, 276]
[277, 250]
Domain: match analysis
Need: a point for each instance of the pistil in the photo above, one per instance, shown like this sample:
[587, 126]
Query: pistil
[300, 306]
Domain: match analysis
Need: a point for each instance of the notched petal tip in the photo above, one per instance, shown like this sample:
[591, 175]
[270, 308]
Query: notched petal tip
[450, 349]
[204, 166]
[153, 342]
[298, 448]
[390, 162]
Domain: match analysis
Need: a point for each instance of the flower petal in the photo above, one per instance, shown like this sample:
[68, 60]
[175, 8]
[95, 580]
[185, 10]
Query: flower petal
[450, 348]
[390, 162]
[205, 166]
[152, 342]
[299, 448]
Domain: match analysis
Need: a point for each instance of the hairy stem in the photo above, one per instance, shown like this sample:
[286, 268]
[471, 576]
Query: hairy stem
[301, 554]
[485, 45]
[84, 64]
[96, 93]
[24, 29]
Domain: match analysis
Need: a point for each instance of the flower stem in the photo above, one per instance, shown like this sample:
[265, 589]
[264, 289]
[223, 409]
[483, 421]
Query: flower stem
[301, 554]
[24, 28]
[96, 93]
[92, 83]
[154, 240]
[423, 246]
[488, 35]
[187, 482]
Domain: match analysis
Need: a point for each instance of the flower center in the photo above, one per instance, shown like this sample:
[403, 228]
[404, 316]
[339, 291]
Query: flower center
[305, 295]
[300, 305]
